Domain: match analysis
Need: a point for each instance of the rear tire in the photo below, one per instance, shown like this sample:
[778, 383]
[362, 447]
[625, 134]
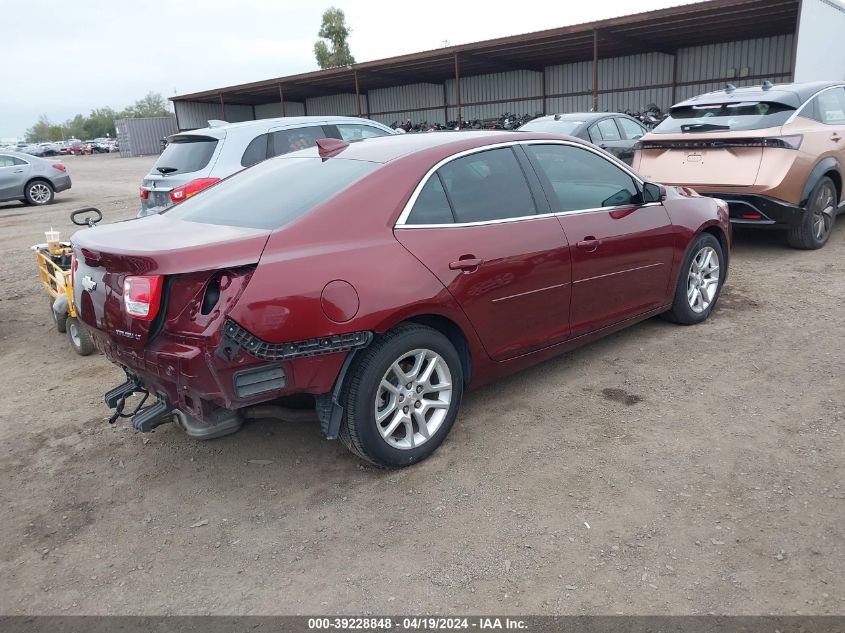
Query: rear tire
[59, 320]
[39, 193]
[699, 285]
[79, 337]
[387, 422]
[819, 217]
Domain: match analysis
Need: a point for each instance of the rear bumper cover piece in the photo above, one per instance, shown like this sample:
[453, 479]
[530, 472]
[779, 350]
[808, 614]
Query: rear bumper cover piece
[757, 210]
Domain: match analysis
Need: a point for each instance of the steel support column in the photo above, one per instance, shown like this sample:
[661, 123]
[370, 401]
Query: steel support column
[545, 90]
[458, 91]
[281, 100]
[595, 70]
[357, 93]
[674, 78]
[222, 108]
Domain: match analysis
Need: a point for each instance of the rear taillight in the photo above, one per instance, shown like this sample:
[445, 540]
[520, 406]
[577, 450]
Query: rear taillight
[192, 188]
[142, 296]
[145, 193]
[58, 166]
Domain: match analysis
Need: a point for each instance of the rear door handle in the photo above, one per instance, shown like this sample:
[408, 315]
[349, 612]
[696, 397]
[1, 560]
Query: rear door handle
[835, 137]
[589, 244]
[467, 263]
[18, 171]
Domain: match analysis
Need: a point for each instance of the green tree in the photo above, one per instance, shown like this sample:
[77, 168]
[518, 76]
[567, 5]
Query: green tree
[100, 123]
[153, 104]
[40, 132]
[333, 29]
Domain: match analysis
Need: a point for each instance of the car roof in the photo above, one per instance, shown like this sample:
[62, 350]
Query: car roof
[285, 120]
[788, 94]
[577, 116]
[21, 155]
[384, 149]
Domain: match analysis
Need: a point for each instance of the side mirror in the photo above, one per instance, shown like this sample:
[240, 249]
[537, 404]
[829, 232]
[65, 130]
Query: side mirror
[652, 192]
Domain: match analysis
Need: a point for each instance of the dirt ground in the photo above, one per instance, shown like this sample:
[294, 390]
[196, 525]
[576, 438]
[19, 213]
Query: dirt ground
[663, 470]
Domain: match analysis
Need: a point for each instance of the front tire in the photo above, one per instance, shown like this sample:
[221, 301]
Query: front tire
[39, 193]
[402, 396]
[814, 229]
[699, 283]
[79, 337]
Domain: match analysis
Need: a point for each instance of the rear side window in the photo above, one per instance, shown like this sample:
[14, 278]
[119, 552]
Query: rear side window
[286, 141]
[743, 115]
[632, 129]
[256, 151]
[186, 154]
[487, 186]
[358, 131]
[272, 193]
[830, 106]
[432, 206]
[7, 161]
[609, 131]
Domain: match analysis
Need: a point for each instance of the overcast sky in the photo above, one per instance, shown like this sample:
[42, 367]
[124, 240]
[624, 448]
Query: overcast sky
[69, 56]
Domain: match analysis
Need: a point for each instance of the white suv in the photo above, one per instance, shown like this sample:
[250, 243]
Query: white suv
[197, 159]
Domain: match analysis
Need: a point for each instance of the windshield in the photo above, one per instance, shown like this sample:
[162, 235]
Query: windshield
[744, 115]
[552, 127]
[272, 193]
[186, 154]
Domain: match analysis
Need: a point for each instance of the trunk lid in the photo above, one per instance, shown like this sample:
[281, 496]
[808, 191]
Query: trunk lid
[157, 245]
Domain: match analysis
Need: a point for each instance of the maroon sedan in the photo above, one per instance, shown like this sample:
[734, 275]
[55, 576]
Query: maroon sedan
[382, 278]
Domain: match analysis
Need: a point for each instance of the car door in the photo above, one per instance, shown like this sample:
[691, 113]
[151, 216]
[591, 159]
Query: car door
[13, 176]
[632, 132]
[622, 247]
[481, 224]
[828, 107]
[605, 133]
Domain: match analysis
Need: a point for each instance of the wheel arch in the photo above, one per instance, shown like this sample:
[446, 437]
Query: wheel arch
[718, 232]
[452, 331]
[43, 179]
[829, 167]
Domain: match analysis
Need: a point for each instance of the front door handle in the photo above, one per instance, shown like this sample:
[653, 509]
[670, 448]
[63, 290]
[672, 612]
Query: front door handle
[835, 137]
[589, 244]
[466, 263]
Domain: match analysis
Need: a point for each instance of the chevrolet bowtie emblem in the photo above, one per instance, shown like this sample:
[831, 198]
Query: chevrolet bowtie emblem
[89, 284]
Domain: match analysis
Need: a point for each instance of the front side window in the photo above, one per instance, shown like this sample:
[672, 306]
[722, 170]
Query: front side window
[631, 129]
[432, 206]
[830, 106]
[359, 131]
[488, 185]
[583, 180]
[286, 141]
[609, 131]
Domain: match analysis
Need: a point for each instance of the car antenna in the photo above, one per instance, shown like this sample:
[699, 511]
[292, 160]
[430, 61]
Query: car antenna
[729, 88]
[557, 117]
[767, 85]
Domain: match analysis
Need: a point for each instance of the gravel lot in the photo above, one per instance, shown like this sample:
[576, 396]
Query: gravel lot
[663, 470]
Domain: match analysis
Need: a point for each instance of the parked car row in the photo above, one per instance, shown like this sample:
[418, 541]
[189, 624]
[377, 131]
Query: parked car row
[383, 278]
[63, 148]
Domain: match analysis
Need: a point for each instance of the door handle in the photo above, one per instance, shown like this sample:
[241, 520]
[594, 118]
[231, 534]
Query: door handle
[467, 263]
[589, 244]
[18, 171]
[835, 137]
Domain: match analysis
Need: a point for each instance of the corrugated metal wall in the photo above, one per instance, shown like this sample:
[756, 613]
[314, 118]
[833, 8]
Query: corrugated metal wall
[192, 114]
[625, 83]
[142, 137]
[272, 110]
[341, 105]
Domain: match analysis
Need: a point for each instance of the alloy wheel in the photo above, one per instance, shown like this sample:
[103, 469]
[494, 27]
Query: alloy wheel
[413, 399]
[39, 193]
[823, 210]
[703, 279]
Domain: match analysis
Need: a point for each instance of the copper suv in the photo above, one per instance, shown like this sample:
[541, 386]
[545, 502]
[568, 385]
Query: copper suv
[774, 153]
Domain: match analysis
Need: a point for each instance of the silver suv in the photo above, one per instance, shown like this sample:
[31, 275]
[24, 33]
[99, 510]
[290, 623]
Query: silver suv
[197, 159]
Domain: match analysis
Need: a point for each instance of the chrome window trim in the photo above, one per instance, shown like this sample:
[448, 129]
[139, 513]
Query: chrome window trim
[406, 210]
[800, 109]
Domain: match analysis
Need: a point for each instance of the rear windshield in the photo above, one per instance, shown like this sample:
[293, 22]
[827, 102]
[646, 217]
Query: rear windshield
[724, 117]
[272, 193]
[552, 127]
[186, 154]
